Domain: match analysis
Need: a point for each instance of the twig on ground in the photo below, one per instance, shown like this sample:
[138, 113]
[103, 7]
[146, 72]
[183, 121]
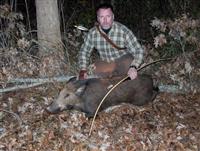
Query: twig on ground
[14, 114]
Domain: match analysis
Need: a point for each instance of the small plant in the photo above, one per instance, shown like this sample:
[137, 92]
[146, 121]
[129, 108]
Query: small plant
[176, 36]
[11, 28]
[15, 60]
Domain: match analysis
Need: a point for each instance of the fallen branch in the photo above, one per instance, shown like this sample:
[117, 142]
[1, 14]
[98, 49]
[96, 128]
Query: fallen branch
[41, 80]
[173, 89]
[30, 82]
[18, 87]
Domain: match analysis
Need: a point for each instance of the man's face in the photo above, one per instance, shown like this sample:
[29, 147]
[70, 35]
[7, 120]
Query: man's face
[105, 18]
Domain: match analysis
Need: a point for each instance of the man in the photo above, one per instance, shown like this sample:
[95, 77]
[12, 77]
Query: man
[124, 40]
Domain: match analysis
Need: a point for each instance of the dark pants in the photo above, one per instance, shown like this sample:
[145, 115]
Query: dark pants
[118, 67]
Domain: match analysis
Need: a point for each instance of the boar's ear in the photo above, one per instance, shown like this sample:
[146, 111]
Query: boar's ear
[80, 90]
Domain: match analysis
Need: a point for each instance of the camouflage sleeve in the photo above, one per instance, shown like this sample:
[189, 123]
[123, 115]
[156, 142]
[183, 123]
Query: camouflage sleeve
[85, 52]
[134, 48]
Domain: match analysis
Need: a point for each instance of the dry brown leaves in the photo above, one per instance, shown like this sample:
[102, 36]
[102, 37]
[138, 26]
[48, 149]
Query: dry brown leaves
[171, 122]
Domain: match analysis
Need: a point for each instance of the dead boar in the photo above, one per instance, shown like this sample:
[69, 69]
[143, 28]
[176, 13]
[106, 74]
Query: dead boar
[85, 95]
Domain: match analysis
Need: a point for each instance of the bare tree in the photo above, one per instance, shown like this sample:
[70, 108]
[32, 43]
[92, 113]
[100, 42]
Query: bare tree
[49, 38]
[48, 25]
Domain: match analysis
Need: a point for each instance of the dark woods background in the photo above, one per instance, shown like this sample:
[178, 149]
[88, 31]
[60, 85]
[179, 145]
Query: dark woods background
[136, 14]
[165, 28]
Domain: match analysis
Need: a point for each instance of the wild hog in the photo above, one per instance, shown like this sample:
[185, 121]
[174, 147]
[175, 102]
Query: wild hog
[85, 95]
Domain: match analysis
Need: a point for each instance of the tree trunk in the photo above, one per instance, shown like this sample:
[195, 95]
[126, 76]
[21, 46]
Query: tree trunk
[49, 37]
[48, 26]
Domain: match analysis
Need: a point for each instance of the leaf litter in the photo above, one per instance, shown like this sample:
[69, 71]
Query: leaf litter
[170, 122]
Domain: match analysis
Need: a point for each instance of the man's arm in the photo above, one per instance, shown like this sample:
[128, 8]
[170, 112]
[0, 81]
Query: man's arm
[84, 56]
[135, 49]
[85, 52]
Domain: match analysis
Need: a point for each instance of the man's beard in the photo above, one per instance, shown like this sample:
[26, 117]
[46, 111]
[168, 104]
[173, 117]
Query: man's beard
[106, 26]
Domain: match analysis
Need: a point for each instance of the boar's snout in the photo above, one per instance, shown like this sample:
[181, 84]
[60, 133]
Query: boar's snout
[65, 101]
[53, 108]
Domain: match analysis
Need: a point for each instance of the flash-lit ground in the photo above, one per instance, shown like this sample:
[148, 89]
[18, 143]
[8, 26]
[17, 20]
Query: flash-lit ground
[171, 122]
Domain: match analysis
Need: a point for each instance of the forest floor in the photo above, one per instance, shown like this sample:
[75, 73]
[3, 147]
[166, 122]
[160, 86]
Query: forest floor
[171, 122]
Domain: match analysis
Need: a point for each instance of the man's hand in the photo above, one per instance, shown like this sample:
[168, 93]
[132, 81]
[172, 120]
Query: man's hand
[82, 75]
[132, 73]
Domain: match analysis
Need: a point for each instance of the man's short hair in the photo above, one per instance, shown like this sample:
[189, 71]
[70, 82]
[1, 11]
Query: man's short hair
[104, 6]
